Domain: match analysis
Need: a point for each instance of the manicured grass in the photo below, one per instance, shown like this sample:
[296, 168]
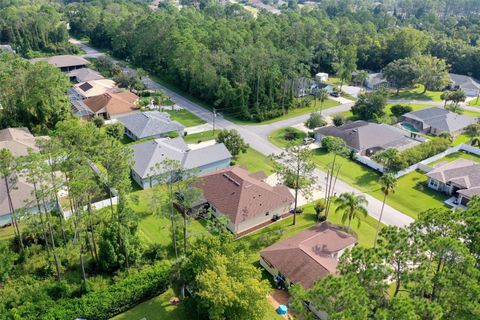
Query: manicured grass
[185, 117]
[416, 93]
[411, 197]
[458, 155]
[6, 233]
[474, 103]
[201, 136]
[463, 138]
[158, 308]
[277, 137]
[254, 161]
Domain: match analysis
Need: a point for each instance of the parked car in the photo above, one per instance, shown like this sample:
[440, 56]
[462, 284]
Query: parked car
[335, 94]
[308, 140]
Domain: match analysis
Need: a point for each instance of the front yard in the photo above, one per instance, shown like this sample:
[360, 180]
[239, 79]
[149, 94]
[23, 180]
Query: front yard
[278, 137]
[417, 93]
[185, 117]
[411, 195]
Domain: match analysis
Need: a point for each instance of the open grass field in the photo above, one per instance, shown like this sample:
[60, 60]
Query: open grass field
[277, 137]
[185, 117]
[201, 136]
[411, 196]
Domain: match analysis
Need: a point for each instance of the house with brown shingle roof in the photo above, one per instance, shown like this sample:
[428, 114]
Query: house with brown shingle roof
[307, 256]
[107, 105]
[460, 178]
[244, 198]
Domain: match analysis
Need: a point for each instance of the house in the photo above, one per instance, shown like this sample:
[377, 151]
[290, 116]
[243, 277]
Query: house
[65, 63]
[149, 156]
[18, 141]
[470, 86]
[149, 124]
[307, 256]
[107, 105]
[460, 178]
[368, 138]
[321, 77]
[304, 87]
[244, 198]
[376, 81]
[92, 88]
[84, 74]
[436, 120]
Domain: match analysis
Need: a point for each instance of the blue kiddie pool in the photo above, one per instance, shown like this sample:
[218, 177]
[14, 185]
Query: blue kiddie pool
[282, 309]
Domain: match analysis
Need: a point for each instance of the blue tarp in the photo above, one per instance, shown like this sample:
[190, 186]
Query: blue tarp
[282, 309]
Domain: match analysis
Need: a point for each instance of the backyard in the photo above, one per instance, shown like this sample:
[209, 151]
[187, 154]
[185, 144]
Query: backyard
[416, 93]
[411, 195]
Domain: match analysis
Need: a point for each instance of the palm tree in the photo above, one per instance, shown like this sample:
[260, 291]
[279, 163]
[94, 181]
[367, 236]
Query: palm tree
[446, 96]
[322, 95]
[352, 206]
[475, 141]
[388, 184]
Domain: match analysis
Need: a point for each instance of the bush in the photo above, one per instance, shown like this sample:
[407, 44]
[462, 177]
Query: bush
[398, 110]
[291, 134]
[315, 121]
[338, 120]
[117, 298]
[115, 130]
[98, 122]
[424, 151]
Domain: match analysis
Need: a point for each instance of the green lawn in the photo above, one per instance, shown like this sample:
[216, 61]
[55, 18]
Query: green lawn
[463, 138]
[201, 136]
[158, 308]
[458, 155]
[277, 137]
[474, 103]
[411, 197]
[6, 233]
[185, 117]
[254, 161]
[416, 93]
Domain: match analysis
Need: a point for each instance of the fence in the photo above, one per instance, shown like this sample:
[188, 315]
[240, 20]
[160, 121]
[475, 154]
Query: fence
[422, 165]
[95, 206]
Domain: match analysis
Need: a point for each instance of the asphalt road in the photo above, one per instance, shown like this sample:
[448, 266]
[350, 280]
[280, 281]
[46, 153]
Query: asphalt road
[256, 136]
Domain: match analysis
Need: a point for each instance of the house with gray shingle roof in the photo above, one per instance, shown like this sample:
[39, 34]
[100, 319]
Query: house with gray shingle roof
[437, 120]
[368, 138]
[84, 74]
[460, 178]
[149, 156]
[149, 124]
[65, 63]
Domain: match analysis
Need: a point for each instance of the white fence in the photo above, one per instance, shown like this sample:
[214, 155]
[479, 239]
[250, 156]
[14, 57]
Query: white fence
[95, 206]
[422, 165]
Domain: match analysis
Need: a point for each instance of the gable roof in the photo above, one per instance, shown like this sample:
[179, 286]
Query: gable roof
[112, 103]
[375, 79]
[150, 153]
[440, 119]
[150, 123]
[94, 88]
[85, 74]
[362, 135]
[309, 255]
[63, 61]
[18, 141]
[241, 195]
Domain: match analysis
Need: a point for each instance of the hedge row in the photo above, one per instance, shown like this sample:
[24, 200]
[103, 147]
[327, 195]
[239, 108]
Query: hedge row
[115, 299]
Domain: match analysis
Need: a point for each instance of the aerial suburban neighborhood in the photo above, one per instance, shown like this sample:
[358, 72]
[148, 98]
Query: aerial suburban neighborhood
[240, 160]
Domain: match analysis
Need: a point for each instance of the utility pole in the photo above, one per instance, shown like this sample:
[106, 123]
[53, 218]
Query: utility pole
[214, 116]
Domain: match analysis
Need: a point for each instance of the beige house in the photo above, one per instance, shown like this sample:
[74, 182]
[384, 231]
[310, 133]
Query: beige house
[244, 198]
[92, 88]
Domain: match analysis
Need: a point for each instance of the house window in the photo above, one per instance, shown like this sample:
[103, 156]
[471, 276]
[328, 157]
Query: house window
[434, 183]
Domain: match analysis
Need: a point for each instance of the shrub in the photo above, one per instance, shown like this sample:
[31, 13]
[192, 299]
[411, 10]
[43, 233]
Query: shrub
[338, 120]
[98, 122]
[115, 130]
[117, 298]
[398, 110]
[291, 134]
[315, 121]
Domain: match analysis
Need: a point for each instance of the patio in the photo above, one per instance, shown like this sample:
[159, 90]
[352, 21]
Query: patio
[454, 204]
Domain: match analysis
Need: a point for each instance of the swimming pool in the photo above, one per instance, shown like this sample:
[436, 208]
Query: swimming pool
[408, 127]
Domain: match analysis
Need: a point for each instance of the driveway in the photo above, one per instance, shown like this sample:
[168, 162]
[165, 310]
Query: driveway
[256, 136]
